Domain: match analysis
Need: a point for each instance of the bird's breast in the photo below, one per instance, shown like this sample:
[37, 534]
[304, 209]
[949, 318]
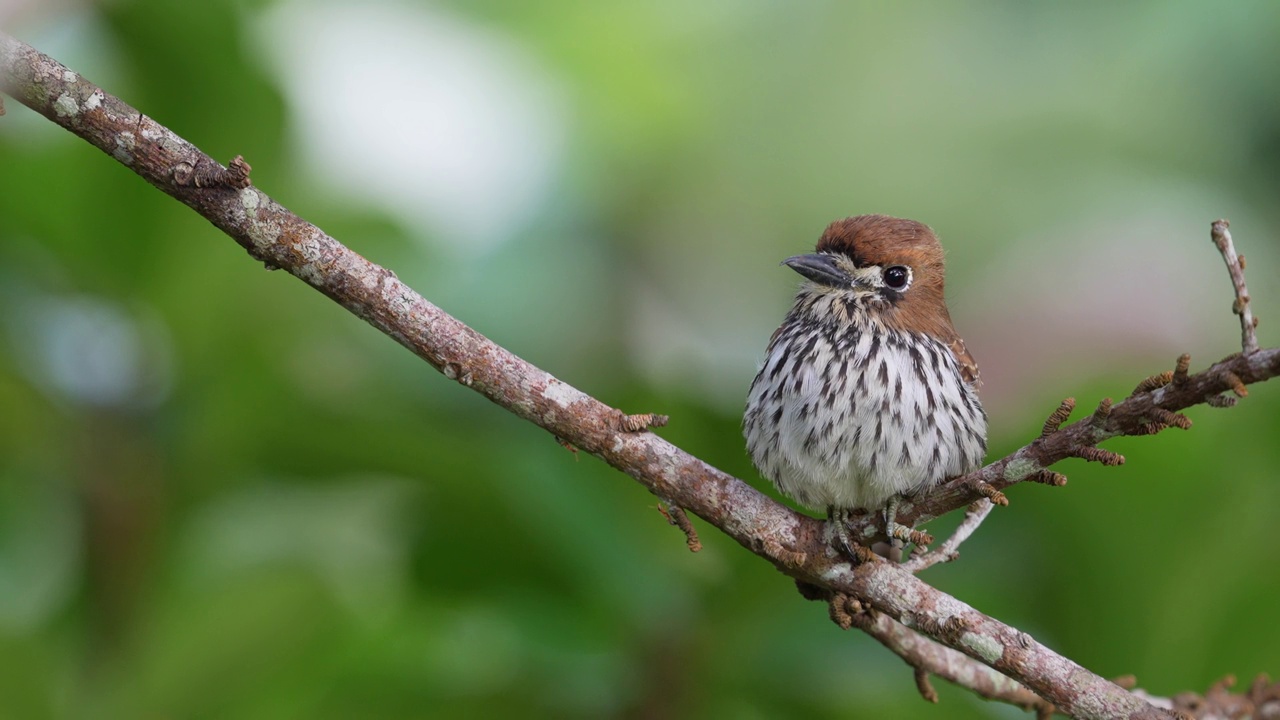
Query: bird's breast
[850, 415]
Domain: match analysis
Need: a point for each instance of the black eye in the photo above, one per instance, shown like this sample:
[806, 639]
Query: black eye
[897, 277]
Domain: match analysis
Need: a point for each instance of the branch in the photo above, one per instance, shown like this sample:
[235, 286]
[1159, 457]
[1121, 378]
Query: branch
[1260, 700]
[928, 657]
[1235, 266]
[792, 542]
[1143, 413]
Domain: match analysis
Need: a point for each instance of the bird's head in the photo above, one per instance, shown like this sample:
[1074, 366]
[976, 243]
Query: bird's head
[889, 268]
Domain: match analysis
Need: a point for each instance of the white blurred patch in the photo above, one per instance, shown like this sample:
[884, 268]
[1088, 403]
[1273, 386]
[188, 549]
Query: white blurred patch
[90, 351]
[674, 344]
[449, 126]
[24, 13]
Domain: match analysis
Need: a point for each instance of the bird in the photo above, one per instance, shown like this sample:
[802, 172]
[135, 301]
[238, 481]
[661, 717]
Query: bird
[867, 394]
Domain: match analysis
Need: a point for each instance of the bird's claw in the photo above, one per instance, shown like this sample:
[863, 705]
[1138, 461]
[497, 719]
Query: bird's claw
[900, 534]
[841, 540]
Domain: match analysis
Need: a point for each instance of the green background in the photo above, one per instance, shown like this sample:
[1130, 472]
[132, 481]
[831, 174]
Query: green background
[223, 496]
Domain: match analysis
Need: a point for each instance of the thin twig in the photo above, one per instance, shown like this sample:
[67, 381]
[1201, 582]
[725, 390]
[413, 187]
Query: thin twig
[1101, 415]
[950, 548]
[676, 515]
[1101, 455]
[924, 687]
[1180, 370]
[1236, 384]
[1057, 417]
[1235, 267]
[1222, 401]
[989, 492]
[1048, 477]
[1154, 382]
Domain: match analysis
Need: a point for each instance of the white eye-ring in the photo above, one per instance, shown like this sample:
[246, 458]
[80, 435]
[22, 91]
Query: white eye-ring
[897, 277]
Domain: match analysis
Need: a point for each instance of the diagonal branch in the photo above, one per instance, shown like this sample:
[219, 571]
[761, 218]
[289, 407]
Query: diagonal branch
[791, 541]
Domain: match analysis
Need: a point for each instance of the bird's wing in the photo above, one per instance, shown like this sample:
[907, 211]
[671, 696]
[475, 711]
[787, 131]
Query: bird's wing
[968, 368]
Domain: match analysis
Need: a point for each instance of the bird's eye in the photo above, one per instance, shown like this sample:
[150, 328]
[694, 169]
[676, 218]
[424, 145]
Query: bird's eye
[897, 277]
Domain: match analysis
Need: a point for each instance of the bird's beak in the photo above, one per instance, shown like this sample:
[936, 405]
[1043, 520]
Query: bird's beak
[820, 269]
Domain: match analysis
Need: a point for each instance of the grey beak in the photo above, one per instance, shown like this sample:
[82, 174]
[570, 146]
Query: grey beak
[820, 269]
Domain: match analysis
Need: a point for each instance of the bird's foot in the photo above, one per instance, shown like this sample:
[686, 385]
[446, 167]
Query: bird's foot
[839, 538]
[900, 534]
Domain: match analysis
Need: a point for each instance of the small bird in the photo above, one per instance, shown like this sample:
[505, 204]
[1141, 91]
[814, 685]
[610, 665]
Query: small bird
[867, 393]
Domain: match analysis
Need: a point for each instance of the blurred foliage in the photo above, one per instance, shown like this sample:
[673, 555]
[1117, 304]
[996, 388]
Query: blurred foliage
[223, 496]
